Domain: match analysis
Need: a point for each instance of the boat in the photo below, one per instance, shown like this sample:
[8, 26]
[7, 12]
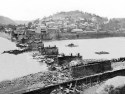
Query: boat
[101, 52]
[71, 45]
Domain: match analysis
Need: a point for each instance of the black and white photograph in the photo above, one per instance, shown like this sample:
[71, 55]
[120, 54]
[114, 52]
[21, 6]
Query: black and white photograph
[62, 46]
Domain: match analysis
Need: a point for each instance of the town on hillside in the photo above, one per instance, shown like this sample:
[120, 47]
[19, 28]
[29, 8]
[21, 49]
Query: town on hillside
[66, 25]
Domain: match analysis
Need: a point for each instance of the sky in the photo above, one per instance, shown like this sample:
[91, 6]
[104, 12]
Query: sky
[33, 9]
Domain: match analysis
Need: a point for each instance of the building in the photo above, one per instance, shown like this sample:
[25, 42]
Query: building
[36, 45]
[41, 29]
[53, 33]
[50, 51]
[91, 68]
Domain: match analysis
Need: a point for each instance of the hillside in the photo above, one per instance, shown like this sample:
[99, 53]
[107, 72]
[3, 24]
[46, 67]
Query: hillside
[83, 20]
[6, 20]
[75, 15]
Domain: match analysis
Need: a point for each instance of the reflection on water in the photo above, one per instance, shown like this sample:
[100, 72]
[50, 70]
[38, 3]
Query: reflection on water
[88, 47]
[12, 66]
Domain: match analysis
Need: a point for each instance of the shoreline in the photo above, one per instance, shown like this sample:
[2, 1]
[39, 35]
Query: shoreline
[4, 35]
[83, 38]
[86, 36]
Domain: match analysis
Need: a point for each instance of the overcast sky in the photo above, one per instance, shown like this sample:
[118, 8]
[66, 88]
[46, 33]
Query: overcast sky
[32, 9]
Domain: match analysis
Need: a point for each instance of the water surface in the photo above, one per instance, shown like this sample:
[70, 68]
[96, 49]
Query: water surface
[88, 47]
[12, 66]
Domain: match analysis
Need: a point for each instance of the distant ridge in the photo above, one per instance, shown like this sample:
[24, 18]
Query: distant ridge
[6, 21]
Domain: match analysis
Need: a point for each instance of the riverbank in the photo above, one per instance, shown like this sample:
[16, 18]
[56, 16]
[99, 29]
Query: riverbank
[89, 35]
[5, 35]
[75, 36]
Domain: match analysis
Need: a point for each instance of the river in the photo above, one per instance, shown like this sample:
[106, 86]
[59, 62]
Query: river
[88, 47]
[13, 66]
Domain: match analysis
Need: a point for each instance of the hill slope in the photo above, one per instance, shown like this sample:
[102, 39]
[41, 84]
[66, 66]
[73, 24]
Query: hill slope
[78, 14]
[6, 20]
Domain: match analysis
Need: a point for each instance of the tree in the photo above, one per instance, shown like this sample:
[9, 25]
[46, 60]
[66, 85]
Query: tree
[29, 24]
[1, 28]
[36, 21]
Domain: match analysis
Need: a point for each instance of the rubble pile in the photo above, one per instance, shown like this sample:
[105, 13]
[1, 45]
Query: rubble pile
[38, 80]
